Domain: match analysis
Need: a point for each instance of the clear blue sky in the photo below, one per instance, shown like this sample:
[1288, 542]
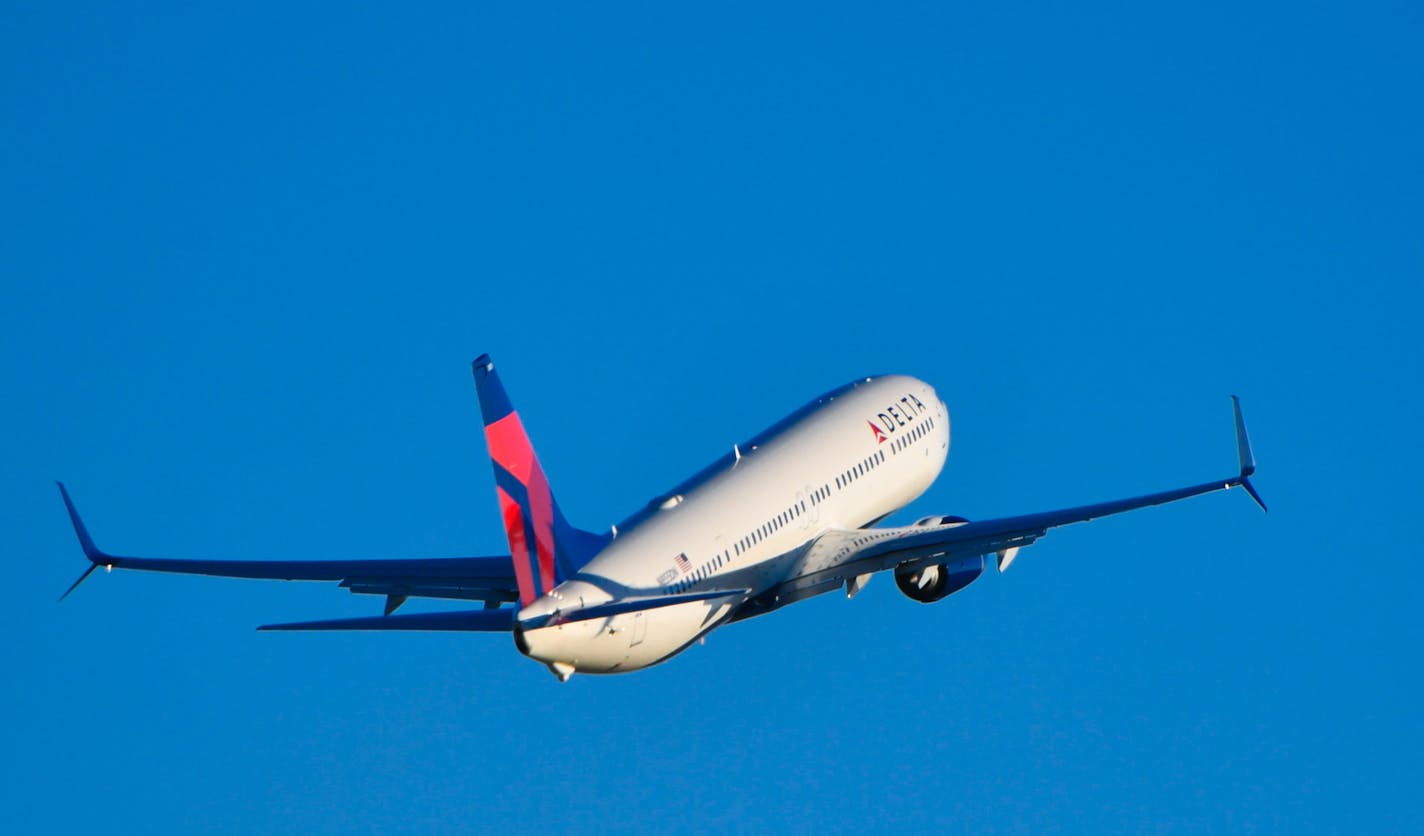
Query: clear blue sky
[248, 255]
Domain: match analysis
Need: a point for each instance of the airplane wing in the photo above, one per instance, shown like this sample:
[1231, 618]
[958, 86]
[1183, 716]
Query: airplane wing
[845, 557]
[489, 579]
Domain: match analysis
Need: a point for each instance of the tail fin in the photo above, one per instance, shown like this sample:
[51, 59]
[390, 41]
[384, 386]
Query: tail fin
[545, 548]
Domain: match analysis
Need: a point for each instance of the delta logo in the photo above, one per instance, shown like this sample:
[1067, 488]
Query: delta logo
[896, 415]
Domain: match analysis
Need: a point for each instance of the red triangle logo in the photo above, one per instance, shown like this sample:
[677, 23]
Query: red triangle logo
[879, 436]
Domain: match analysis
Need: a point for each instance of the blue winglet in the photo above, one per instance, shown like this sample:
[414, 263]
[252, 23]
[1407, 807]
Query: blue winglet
[91, 551]
[1244, 455]
[86, 542]
[1243, 441]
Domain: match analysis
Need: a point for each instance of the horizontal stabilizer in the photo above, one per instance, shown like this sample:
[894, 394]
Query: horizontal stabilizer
[626, 605]
[476, 621]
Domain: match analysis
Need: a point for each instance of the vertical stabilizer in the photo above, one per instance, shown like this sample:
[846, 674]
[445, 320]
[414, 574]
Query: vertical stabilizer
[545, 548]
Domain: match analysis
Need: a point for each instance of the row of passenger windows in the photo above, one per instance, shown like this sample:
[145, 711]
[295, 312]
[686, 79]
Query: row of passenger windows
[770, 527]
[915, 435]
[761, 532]
[703, 571]
[864, 467]
[788, 516]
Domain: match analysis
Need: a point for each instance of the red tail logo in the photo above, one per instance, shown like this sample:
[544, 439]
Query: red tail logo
[879, 436]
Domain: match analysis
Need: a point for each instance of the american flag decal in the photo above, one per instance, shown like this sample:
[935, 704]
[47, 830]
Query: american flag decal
[682, 563]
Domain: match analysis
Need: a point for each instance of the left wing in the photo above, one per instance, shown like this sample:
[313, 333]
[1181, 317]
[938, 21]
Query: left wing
[846, 556]
[488, 579]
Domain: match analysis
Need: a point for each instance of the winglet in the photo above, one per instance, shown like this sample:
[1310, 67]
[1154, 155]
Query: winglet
[1251, 489]
[86, 542]
[1244, 455]
[1243, 441]
[91, 551]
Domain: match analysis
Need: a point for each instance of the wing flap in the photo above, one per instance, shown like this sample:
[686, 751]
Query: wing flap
[474, 621]
[887, 548]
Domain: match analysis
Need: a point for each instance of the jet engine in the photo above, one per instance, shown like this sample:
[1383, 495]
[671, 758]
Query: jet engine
[932, 582]
[946, 520]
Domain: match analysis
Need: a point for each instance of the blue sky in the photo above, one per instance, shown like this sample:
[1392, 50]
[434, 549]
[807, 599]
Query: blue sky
[248, 255]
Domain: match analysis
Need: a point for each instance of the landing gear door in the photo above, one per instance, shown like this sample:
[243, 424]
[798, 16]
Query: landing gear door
[639, 630]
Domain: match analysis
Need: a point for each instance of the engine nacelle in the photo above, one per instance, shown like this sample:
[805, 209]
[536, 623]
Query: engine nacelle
[935, 581]
[945, 520]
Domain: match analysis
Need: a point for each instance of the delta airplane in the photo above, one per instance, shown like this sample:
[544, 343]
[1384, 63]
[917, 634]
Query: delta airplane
[785, 516]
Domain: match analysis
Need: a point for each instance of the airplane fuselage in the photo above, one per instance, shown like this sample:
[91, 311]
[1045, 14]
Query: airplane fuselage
[844, 461]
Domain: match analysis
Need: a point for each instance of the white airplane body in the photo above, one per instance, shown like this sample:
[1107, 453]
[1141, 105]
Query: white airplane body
[783, 517]
[749, 523]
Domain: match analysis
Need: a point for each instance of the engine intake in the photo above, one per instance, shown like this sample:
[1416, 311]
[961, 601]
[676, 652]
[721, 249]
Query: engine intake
[936, 581]
[944, 520]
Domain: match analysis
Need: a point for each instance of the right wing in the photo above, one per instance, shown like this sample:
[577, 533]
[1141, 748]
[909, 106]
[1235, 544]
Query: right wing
[488, 579]
[846, 556]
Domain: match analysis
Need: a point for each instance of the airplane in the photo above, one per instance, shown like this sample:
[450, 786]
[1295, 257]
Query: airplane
[787, 515]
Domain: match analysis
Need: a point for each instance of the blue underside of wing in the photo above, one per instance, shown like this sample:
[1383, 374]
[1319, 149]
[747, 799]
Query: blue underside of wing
[474, 621]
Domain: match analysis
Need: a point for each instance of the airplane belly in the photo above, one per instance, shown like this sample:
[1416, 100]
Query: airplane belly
[621, 643]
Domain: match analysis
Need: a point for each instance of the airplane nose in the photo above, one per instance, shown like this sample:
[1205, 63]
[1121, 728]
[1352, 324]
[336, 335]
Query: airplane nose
[520, 643]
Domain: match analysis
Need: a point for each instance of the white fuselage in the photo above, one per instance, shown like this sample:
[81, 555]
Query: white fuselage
[845, 461]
